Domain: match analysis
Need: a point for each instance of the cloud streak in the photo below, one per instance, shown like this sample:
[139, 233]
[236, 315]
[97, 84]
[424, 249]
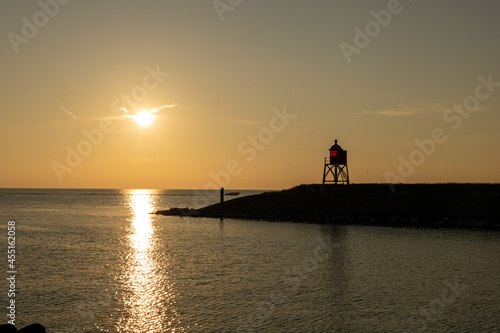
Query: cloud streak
[125, 112]
[68, 112]
[411, 109]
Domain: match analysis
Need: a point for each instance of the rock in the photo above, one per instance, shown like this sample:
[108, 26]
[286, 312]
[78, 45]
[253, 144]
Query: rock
[178, 212]
[33, 328]
[8, 328]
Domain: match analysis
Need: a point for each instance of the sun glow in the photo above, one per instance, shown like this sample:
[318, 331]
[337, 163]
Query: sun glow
[144, 118]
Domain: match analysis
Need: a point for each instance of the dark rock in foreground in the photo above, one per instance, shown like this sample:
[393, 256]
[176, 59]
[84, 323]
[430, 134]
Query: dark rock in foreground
[475, 206]
[33, 328]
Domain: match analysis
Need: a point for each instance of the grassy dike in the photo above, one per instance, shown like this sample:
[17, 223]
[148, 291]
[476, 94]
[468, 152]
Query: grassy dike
[471, 206]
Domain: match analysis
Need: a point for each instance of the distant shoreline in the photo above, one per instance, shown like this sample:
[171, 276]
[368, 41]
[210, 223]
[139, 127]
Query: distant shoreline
[461, 206]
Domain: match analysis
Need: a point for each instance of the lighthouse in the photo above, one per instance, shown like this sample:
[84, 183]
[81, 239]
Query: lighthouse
[335, 170]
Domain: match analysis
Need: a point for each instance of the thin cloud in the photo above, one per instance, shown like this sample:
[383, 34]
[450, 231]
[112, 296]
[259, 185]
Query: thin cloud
[242, 121]
[109, 118]
[36, 126]
[410, 109]
[68, 112]
[390, 113]
[161, 107]
[125, 112]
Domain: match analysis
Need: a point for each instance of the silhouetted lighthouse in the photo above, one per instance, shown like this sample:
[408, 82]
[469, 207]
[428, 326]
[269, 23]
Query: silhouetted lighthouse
[336, 166]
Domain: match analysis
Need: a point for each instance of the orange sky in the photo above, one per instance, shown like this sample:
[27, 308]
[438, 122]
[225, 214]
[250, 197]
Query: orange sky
[249, 95]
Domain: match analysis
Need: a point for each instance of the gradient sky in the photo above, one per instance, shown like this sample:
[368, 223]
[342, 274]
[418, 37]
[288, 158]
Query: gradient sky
[225, 78]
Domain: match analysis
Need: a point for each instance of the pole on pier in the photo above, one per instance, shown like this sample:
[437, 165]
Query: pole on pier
[221, 202]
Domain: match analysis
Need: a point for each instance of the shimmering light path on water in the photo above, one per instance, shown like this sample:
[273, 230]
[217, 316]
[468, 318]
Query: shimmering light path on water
[149, 298]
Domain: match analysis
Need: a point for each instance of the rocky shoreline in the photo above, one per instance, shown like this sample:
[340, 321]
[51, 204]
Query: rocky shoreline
[463, 206]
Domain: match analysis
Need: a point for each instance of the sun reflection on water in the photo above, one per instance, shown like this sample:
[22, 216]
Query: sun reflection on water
[148, 292]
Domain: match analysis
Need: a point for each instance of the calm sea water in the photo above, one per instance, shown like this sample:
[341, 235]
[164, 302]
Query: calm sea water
[97, 261]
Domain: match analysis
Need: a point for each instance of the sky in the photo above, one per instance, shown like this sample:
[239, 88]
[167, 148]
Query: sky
[247, 94]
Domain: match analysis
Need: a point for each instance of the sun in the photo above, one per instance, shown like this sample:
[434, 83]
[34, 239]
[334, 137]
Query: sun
[144, 118]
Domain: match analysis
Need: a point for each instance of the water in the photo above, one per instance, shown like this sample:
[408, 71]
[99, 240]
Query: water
[96, 261]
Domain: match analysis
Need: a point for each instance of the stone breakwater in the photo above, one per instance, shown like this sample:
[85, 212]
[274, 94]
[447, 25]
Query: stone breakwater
[468, 206]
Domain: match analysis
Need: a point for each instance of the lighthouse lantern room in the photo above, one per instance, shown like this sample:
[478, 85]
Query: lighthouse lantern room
[335, 170]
